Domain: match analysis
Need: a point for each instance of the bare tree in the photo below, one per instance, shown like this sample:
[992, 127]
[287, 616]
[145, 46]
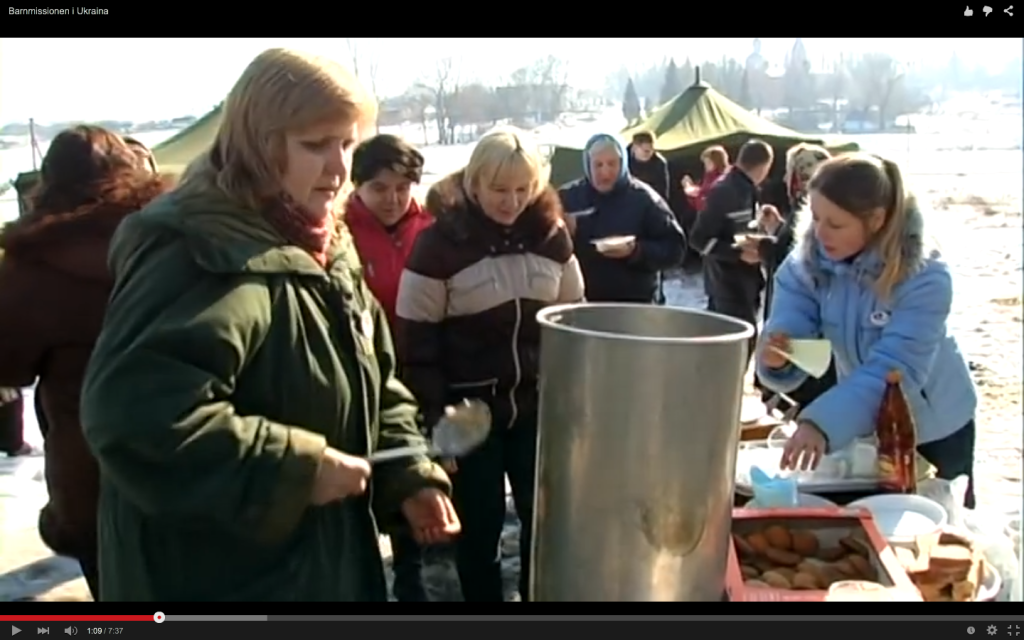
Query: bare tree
[442, 87]
[878, 82]
[353, 54]
[837, 81]
[516, 97]
[421, 103]
[362, 62]
[539, 90]
[476, 105]
[551, 76]
[371, 76]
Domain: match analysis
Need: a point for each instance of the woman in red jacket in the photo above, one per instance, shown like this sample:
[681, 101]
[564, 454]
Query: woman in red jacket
[383, 215]
[716, 163]
[384, 219]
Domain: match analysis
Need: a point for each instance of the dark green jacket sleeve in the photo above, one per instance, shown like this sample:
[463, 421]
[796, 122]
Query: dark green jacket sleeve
[156, 407]
[397, 480]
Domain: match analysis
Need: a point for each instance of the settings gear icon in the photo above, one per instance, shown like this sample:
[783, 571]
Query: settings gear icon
[992, 630]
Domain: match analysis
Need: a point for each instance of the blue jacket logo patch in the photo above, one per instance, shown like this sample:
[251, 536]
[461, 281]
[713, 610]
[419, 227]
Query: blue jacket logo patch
[880, 318]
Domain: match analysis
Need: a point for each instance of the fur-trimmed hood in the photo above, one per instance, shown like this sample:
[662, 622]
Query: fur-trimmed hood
[76, 242]
[916, 253]
[458, 216]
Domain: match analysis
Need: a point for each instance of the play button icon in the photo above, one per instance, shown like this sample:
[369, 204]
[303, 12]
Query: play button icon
[15, 630]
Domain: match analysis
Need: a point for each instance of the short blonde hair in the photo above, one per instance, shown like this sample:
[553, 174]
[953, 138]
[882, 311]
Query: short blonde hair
[281, 91]
[502, 151]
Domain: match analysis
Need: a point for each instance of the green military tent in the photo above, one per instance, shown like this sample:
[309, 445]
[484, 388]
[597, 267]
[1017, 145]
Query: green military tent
[172, 155]
[689, 123]
[176, 152]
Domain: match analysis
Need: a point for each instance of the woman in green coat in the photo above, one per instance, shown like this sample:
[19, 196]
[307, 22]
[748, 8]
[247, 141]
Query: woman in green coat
[244, 371]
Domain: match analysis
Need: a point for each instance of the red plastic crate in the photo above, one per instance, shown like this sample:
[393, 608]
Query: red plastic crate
[824, 522]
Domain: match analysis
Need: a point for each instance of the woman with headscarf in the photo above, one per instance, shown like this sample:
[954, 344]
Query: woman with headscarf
[607, 203]
[245, 372]
[54, 274]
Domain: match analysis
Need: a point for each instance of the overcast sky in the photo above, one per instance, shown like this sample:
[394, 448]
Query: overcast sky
[56, 79]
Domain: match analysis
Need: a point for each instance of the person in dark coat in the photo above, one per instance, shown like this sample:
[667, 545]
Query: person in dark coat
[12, 424]
[733, 275]
[716, 163]
[608, 201]
[54, 271]
[801, 162]
[647, 165]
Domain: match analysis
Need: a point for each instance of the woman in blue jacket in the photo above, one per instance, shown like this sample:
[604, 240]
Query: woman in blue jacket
[863, 279]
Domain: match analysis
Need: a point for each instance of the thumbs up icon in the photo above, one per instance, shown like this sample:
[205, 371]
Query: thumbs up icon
[969, 12]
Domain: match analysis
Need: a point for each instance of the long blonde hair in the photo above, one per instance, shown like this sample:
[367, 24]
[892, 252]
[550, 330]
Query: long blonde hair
[279, 92]
[503, 150]
[864, 184]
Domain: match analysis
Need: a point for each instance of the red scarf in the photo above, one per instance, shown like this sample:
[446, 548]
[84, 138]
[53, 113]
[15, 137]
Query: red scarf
[298, 226]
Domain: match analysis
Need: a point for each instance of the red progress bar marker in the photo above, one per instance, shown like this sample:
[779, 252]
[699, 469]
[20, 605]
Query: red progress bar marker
[87, 618]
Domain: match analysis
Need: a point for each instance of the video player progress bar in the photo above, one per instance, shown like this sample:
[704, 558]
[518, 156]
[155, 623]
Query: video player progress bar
[167, 618]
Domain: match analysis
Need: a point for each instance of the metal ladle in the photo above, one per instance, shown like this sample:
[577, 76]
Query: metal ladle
[463, 427]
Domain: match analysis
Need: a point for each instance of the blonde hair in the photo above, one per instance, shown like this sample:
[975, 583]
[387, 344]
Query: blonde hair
[801, 161]
[863, 184]
[281, 91]
[502, 151]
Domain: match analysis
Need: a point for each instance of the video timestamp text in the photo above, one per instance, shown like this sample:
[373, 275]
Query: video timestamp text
[104, 631]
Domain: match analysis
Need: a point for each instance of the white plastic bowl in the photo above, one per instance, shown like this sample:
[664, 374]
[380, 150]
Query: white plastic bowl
[991, 584]
[808, 500]
[901, 519]
[613, 242]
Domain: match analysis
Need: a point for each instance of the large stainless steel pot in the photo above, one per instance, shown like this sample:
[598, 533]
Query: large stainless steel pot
[639, 427]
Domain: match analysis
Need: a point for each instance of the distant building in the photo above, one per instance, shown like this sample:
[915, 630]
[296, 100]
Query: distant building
[757, 75]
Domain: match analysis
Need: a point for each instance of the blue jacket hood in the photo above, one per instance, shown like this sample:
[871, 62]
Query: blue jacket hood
[620, 148]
